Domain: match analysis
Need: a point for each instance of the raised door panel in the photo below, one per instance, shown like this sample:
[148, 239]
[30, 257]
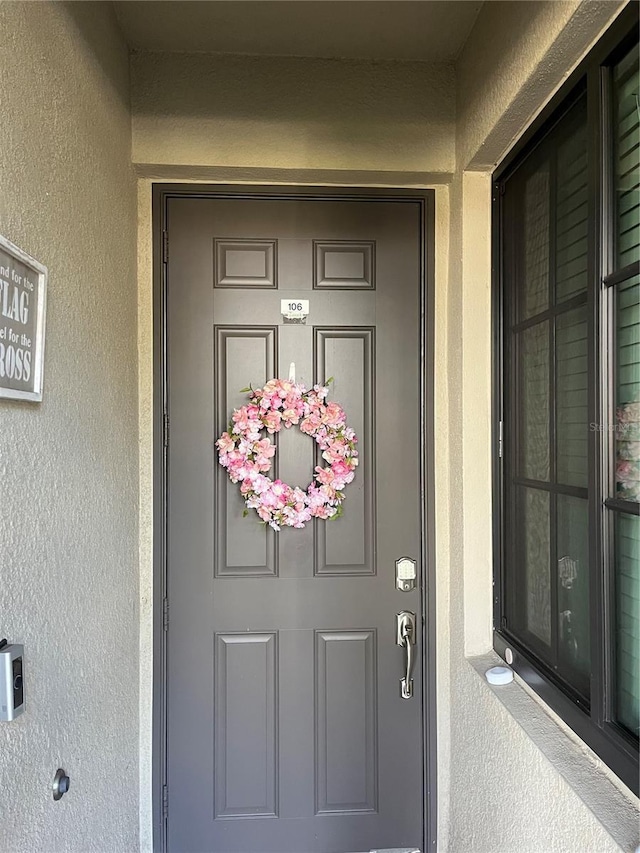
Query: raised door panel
[246, 726]
[346, 722]
[349, 548]
[344, 265]
[245, 263]
[243, 355]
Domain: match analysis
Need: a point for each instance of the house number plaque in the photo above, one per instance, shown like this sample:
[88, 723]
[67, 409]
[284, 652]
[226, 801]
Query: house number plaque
[294, 309]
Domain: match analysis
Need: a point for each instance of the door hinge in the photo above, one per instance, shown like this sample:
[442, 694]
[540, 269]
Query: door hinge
[165, 614]
[165, 429]
[500, 442]
[165, 802]
[165, 247]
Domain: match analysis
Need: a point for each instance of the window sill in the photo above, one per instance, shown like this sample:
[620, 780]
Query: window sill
[615, 807]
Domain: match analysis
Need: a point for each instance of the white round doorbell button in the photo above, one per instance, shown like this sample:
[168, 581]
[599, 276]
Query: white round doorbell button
[499, 675]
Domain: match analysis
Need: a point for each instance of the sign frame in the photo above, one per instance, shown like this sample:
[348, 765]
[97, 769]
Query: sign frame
[41, 275]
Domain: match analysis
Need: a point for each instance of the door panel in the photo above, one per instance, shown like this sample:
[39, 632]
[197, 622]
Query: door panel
[246, 691]
[286, 732]
[242, 550]
[346, 722]
[349, 549]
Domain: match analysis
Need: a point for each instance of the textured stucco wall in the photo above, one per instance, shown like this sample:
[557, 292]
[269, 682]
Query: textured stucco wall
[145, 415]
[517, 55]
[505, 795]
[290, 113]
[508, 798]
[68, 466]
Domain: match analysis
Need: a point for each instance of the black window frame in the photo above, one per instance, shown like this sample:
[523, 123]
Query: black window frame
[593, 722]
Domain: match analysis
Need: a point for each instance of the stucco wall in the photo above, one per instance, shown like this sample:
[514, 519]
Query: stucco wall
[291, 113]
[505, 795]
[517, 55]
[68, 466]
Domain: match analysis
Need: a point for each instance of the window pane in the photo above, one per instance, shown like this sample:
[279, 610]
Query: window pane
[627, 573]
[574, 653]
[572, 398]
[534, 401]
[534, 530]
[626, 93]
[536, 244]
[571, 211]
[628, 390]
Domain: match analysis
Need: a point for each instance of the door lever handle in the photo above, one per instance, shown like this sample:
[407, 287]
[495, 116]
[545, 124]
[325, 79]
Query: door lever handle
[406, 637]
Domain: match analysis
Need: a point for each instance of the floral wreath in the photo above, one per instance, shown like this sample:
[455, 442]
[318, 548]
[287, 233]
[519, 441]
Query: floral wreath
[246, 455]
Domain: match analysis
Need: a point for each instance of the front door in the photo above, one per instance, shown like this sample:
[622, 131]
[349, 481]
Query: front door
[286, 728]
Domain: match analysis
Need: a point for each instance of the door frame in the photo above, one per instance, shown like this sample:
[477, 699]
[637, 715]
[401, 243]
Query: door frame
[425, 199]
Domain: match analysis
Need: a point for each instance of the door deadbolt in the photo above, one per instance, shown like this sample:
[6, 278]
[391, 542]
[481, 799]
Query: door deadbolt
[406, 574]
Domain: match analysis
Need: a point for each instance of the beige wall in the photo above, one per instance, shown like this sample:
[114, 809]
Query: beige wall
[508, 43]
[288, 113]
[68, 466]
[517, 55]
[145, 412]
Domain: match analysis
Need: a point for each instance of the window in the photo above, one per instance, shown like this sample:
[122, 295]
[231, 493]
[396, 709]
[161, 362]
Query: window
[567, 402]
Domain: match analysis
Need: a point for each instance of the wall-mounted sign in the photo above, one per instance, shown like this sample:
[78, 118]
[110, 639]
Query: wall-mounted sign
[23, 299]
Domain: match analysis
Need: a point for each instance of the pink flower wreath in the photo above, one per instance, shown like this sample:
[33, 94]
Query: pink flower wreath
[246, 455]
